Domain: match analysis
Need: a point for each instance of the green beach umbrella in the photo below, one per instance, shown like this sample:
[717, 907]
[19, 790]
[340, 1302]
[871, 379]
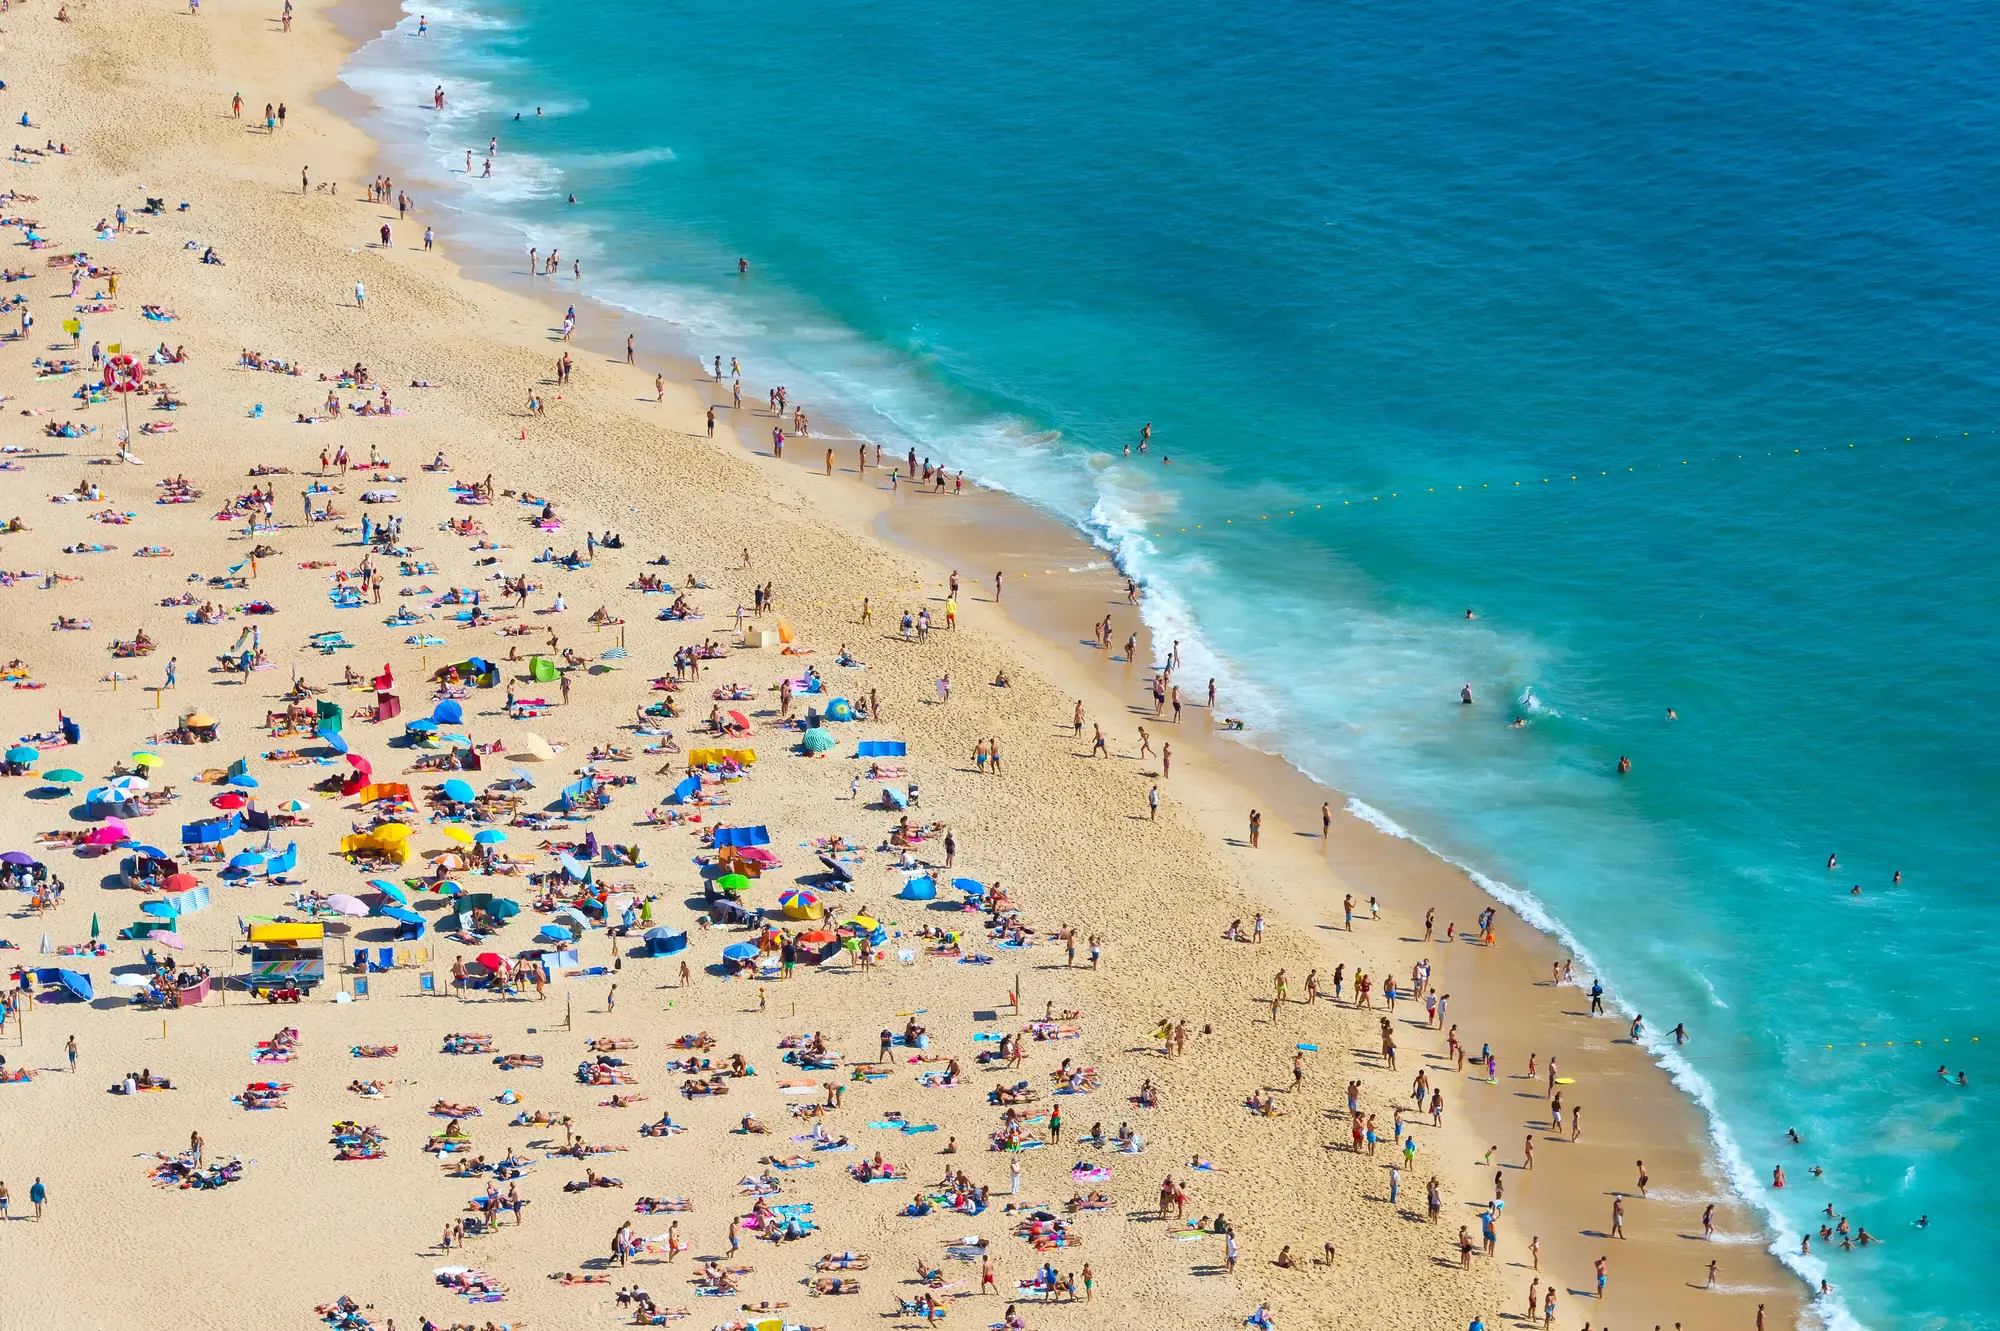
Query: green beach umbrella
[733, 883]
[93, 924]
[500, 908]
[63, 776]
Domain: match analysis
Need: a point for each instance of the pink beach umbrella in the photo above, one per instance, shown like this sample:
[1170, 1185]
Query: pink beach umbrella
[109, 833]
[167, 938]
[346, 905]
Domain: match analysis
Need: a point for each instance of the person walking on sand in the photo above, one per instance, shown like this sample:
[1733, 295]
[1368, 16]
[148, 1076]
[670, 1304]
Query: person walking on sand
[1153, 805]
[1256, 829]
[72, 1055]
[38, 1194]
[360, 295]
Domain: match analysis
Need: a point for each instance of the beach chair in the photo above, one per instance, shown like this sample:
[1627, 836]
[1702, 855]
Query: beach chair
[427, 983]
[385, 958]
[361, 986]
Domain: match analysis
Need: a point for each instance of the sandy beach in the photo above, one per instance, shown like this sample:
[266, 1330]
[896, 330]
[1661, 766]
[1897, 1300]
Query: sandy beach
[305, 277]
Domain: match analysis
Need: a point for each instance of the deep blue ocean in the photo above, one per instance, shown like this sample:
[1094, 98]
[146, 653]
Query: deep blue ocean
[1715, 284]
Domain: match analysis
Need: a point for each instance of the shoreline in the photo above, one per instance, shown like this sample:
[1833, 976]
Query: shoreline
[1287, 883]
[1009, 531]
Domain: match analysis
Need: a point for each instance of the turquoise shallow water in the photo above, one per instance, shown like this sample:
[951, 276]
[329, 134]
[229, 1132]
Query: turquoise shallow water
[1686, 255]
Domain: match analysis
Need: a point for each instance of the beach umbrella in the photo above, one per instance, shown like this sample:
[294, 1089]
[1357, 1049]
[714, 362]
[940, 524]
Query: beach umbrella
[817, 740]
[664, 942]
[524, 776]
[503, 908]
[167, 938]
[459, 791]
[447, 888]
[199, 720]
[533, 748]
[292, 806]
[133, 979]
[401, 915]
[555, 933]
[180, 882]
[864, 923]
[17, 857]
[458, 834]
[801, 904]
[919, 889]
[62, 776]
[756, 855]
[490, 836]
[103, 795]
[740, 952]
[342, 904]
[152, 852]
[77, 983]
[130, 785]
[492, 961]
[230, 800]
[571, 912]
[22, 753]
[144, 759]
[819, 937]
[109, 834]
[243, 781]
[391, 831]
[421, 726]
[389, 889]
[250, 861]
[742, 721]
[335, 741]
[732, 883]
[93, 924]
[972, 887]
[840, 710]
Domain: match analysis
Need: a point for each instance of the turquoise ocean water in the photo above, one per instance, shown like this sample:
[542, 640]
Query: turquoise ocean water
[1732, 267]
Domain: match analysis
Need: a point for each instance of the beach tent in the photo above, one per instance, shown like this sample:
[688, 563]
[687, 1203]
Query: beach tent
[895, 797]
[840, 710]
[665, 942]
[742, 836]
[541, 670]
[922, 888]
[882, 748]
[448, 713]
[688, 788]
[816, 740]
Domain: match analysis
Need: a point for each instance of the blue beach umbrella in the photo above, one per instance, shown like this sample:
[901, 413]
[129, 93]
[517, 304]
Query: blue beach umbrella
[489, 836]
[394, 891]
[555, 933]
[972, 887]
[664, 942]
[248, 861]
[243, 781]
[150, 852]
[22, 753]
[401, 915]
[459, 792]
[740, 952]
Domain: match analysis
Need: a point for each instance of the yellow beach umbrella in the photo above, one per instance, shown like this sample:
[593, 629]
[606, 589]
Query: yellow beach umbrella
[458, 834]
[146, 759]
[391, 832]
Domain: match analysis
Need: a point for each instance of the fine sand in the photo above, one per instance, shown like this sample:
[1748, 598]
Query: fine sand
[142, 98]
